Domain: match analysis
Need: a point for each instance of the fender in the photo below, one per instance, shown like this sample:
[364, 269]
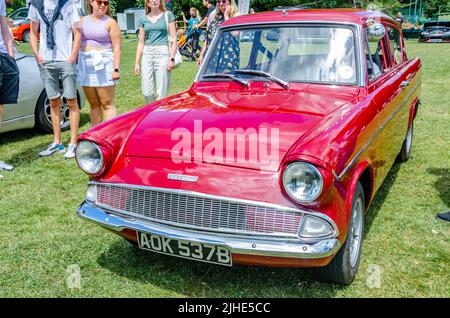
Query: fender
[356, 175]
[413, 110]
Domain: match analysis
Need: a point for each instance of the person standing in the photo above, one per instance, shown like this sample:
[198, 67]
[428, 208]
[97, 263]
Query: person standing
[209, 14]
[193, 31]
[59, 43]
[155, 50]
[99, 60]
[399, 19]
[9, 72]
[225, 9]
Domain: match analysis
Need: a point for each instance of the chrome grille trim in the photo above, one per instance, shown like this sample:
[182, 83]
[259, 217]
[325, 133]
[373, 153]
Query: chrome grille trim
[200, 211]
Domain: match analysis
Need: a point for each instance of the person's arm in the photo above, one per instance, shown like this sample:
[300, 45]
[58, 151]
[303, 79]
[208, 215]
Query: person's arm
[140, 48]
[7, 36]
[173, 49]
[75, 46]
[34, 34]
[202, 23]
[202, 54]
[184, 18]
[116, 40]
[75, 24]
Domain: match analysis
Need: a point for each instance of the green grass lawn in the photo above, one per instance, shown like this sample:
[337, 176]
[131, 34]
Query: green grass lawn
[40, 234]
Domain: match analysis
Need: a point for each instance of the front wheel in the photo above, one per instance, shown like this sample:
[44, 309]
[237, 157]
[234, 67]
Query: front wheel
[26, 36]
[344, 266]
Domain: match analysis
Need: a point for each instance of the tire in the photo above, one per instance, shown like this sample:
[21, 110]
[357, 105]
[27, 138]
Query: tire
[405, 152]
[344, 266]
[26, 36]
[43, 117]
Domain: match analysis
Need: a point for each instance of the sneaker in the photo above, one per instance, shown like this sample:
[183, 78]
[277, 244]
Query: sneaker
[70, 153]
[4, 166]
[53, 148]
[444, 216]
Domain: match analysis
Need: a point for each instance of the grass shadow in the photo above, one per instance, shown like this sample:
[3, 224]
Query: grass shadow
[27, 155]
[442, 184]
[19, 135]
[380, 197]
[197, 279]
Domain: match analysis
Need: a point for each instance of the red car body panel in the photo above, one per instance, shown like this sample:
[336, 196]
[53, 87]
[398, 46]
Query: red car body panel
[345, 131]
[19, 30]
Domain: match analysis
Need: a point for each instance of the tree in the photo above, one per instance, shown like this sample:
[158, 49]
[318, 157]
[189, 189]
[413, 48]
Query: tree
[432, 8]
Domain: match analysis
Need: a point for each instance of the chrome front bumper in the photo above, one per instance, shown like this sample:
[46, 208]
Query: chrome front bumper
[236, 245]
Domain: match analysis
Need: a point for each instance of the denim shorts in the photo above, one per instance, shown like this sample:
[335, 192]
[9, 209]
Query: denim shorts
[52, 72]
[9, 80]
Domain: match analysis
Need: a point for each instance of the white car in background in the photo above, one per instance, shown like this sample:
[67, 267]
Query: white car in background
[33, 106]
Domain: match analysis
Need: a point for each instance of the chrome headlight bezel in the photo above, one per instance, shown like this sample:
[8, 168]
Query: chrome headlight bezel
[292, 170]
[82, 155]
[307, 228]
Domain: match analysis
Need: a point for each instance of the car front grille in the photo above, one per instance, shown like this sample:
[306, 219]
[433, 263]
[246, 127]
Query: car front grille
[200, 212]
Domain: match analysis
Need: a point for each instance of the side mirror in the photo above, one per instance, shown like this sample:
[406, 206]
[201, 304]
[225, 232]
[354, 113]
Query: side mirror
[375, 31]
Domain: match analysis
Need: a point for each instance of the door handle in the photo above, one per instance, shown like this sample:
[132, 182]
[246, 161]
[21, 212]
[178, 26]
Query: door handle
[404, 84]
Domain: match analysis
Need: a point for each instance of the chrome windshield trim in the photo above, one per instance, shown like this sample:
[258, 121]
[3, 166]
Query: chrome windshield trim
[350, 164]
[359, 54]
[223, 198]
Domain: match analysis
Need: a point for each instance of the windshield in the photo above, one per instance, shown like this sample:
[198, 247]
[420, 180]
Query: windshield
[289, 53]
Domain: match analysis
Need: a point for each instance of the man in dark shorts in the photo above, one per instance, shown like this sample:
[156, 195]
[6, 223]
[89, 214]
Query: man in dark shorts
[9, 72]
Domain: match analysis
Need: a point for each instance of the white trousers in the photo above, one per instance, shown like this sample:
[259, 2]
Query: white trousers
[154, 70]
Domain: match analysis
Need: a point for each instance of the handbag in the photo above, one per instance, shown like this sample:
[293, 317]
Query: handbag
[178, 58]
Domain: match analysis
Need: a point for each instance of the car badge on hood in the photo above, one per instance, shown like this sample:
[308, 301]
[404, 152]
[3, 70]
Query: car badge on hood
[182, 177]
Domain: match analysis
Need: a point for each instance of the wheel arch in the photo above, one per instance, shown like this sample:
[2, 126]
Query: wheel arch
[413, 110]
[364, 174]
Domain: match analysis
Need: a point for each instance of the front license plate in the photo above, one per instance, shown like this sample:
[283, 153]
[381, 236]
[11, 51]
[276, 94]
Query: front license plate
[436, 40]
[185, 249]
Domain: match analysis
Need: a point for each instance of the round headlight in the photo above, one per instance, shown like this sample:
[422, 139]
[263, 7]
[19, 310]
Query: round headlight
[89, 157]
[302, 181]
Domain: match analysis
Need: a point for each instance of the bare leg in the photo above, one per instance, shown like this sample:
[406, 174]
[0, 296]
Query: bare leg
[107, 99]
[95, 107]
[55, 112]
[74, 118]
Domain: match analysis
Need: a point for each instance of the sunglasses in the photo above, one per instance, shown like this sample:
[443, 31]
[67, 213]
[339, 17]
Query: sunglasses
[100, 2]
[222, 1]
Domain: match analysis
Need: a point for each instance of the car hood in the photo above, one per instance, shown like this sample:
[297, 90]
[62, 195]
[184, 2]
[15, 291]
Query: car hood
[212, 126]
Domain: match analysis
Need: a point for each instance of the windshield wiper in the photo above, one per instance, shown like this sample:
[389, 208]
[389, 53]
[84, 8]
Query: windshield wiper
[278, 80]
[226, 75]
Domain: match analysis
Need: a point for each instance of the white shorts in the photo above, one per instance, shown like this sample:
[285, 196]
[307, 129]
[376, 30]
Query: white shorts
[95, 68]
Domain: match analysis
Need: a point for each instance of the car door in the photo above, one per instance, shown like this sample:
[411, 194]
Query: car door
[384, 87]
[406, 84]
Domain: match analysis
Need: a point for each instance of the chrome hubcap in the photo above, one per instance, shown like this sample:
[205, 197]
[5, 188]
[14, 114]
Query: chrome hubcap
[65, 122]
[356, 232]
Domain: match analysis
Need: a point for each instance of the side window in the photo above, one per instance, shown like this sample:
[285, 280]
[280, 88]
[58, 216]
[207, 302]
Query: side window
[377, 63]
[395, 43]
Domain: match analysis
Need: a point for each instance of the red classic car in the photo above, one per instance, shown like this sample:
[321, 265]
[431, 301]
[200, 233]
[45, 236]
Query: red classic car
[275, 152]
